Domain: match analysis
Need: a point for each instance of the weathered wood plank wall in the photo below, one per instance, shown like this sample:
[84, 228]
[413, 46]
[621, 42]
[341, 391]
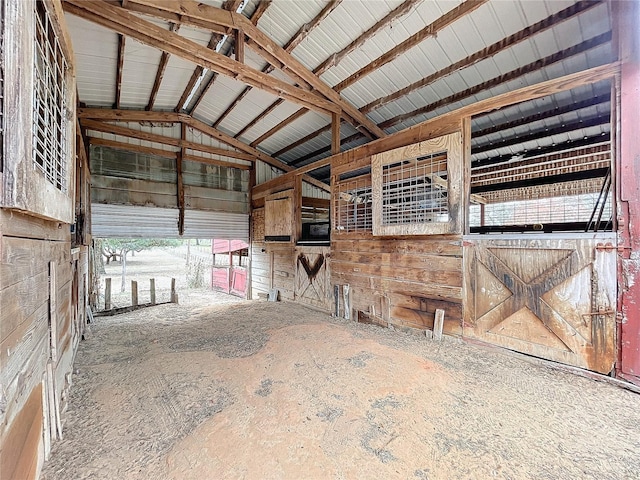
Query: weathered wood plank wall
[402, 280]
[43, 280]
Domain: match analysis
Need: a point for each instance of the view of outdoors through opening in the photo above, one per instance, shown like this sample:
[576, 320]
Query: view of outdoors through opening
[153, 271]
[544, 165]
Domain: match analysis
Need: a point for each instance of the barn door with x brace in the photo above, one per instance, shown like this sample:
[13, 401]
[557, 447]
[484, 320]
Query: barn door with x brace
[548, 297]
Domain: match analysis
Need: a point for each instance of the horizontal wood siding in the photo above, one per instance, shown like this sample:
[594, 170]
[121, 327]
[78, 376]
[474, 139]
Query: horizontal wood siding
[402, 280]
[25, 338]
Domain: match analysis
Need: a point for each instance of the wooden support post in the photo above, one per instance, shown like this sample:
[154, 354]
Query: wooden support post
[152, 291]
[134, 293]
[239, 48]
[180, 187]
[438, 323]
[336, 300]
[297, 209]
[335, 133]
[107, 294]
[347, 301]
[174, 295]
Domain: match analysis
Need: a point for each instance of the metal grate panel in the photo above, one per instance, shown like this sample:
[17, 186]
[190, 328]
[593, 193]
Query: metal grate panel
[352, 200]
[415, 191]
[49, 111]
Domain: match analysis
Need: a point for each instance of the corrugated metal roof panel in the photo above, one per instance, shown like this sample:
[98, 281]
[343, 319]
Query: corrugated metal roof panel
[96, 53]
[138, 73]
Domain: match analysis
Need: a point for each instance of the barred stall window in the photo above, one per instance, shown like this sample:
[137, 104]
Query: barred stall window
[352, 200]
[417, 188]
[49, 112]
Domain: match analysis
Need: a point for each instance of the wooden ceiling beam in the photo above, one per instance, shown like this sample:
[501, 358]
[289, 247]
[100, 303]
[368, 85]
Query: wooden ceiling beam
[279, 126]
[121, 21]
[203, 92]
[197, 73]
[540, 134]
[162, 139]
[105, 142]
[303, 140]
[162, 67]
[107, 114]
[507, 77]
[526, 33]
[264, 113]
[429, 31]
[451, 121]
[536, 117]
[336, 58]
[192, 9]
[293, 42]
[487, 52]
[151, 10]
[121, 47]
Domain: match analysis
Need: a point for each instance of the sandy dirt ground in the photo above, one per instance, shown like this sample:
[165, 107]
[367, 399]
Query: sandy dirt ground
[227, 389]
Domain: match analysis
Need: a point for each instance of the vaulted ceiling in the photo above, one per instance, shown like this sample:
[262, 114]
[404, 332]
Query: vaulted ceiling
[262, 79]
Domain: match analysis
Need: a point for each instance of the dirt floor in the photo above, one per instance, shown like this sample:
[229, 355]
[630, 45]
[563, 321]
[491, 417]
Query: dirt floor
[227, 389]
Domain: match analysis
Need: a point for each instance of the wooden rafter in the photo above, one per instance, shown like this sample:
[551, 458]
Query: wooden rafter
[429, 31]
[162, 67]
[152, 11]
[99, 126]
[506, 77]
[120, 20]
[279, 126]
[264, 113]
[164, 153]
[300, 35]
[487, 52]
[549, 22]
[543, 133]
[336, 58]
[198, 72]
[121, 47]
[191, 9]
[571, 107]
[451, 121]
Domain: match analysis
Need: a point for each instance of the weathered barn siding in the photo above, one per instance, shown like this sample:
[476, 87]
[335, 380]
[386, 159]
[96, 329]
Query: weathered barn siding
[43, 258]
[402, 280]
[300, 273]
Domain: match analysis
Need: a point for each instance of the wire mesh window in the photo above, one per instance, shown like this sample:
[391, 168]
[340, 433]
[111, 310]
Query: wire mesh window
[49, 114]
[352, 205]
[415, 190]
[567, 191]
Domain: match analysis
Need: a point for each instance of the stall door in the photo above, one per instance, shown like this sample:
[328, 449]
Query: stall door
[548, 297]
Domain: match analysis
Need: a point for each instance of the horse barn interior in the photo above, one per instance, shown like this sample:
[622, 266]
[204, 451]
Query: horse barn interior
[468, 168]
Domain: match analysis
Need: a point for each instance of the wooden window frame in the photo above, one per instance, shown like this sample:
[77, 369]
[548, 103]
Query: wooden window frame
[452, 144]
